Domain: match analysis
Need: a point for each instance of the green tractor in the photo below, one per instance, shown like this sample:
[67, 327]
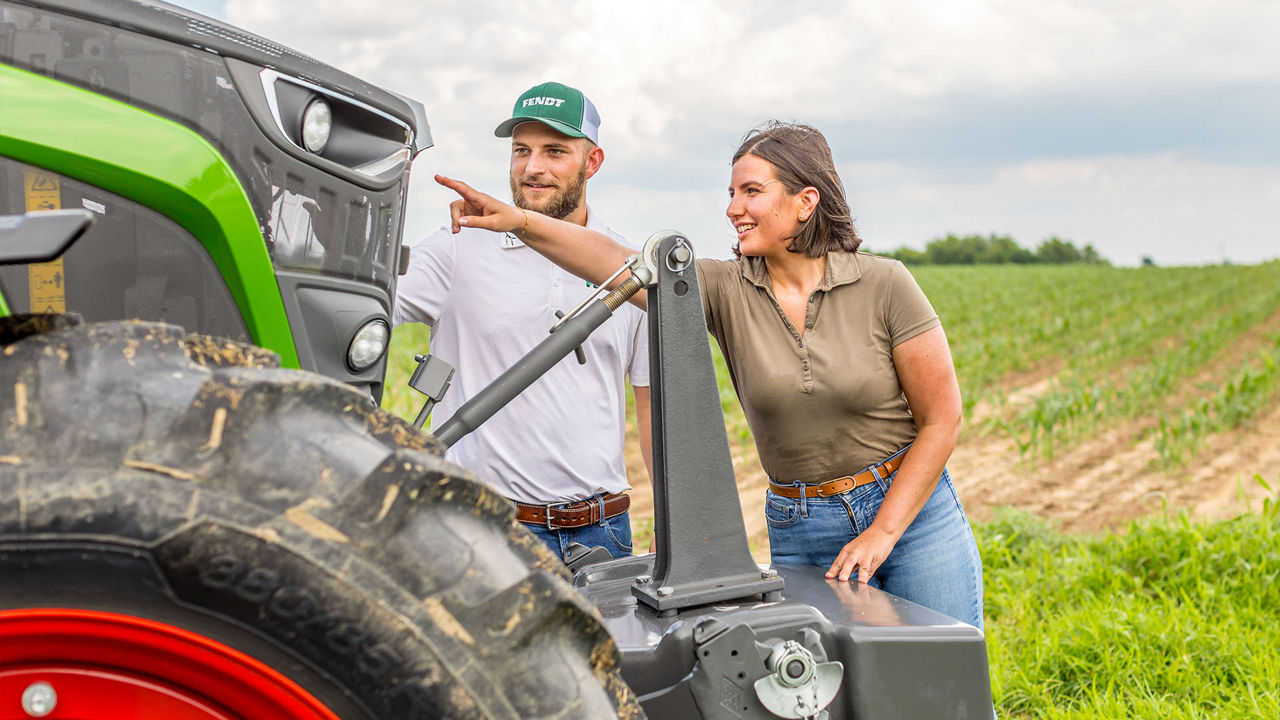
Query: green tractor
[194, 527]
[181, 525]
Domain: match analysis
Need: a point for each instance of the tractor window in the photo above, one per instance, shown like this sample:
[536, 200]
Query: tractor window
[132, 263]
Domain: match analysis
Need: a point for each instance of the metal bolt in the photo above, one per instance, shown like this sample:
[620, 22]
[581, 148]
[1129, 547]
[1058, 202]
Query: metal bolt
[642, 579]
[681, 254]
[768, 574]
[39, 699]
[665, 590]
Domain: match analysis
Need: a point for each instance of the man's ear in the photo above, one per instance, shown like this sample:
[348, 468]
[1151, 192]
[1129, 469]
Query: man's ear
[595, 158]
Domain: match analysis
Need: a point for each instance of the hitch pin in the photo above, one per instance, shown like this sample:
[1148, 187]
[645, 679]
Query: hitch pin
[630, 263]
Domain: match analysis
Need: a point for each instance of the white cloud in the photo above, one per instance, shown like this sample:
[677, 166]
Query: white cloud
[1175, 210]
[1139, 126]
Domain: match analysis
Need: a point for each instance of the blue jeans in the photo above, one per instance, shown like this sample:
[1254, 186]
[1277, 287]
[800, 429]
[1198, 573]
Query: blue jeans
[934, 564]
[614, 534]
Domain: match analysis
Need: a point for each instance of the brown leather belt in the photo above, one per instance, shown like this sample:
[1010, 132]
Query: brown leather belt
[564, 516]
[840, 484]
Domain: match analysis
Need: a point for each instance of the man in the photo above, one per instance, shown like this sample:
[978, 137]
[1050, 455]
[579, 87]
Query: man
[557, 449]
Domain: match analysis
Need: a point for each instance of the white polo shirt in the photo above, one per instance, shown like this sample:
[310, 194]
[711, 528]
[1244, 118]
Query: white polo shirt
[489, 299]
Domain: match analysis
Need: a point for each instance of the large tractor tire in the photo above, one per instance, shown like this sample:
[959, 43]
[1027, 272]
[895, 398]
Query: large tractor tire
[183, 525]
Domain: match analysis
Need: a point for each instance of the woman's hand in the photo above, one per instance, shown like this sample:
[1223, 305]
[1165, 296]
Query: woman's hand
[865, 552]
[477, 210]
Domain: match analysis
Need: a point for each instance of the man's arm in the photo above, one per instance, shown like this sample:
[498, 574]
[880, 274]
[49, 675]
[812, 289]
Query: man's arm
[423, 292]
[644, 426]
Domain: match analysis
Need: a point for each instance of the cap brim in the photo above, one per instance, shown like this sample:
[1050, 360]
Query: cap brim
[508, 127]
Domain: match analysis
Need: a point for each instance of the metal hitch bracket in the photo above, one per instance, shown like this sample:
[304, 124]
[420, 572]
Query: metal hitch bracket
[691, 451]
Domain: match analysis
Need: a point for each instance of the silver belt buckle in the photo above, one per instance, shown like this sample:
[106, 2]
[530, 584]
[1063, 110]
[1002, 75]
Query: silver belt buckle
[548, 509]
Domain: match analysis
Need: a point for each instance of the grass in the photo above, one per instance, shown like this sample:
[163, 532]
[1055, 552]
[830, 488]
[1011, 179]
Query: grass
[406, 341]
[1169, 619]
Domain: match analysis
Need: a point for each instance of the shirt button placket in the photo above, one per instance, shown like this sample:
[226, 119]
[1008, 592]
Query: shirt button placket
[557, 293]
[805, 362]
[806, 366]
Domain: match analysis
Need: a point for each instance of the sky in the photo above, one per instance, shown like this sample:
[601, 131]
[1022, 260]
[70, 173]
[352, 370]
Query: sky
[1146, 129]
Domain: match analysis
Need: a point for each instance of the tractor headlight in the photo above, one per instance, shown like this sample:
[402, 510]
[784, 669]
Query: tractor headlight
[317, 121]
[368, 344]
[337, 133]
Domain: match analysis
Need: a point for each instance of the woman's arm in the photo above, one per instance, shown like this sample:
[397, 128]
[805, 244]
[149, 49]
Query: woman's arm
[928, 380]
[585, 253]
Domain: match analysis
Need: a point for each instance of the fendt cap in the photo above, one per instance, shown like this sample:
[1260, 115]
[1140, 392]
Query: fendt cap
[561, 107]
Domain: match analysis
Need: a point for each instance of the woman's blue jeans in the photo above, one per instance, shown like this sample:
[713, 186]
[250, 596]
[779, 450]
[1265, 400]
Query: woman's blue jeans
[934, 564]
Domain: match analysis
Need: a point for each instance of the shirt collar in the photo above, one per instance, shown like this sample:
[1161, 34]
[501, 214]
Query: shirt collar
[842, 269]
[595, 223]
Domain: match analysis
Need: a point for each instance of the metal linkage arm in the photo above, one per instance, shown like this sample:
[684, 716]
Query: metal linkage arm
[569, 334]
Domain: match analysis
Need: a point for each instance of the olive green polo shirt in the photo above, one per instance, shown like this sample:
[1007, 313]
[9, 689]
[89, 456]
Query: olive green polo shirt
[826, 402]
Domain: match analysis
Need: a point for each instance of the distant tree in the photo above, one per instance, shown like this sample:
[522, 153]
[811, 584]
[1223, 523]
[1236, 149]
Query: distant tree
[908, 255]
[1147, 261]
[1091, 256]
[1003, 249]
[996, 249]
[1058, 252]
[952, 250]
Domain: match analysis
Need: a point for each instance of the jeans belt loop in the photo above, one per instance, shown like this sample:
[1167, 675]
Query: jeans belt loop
[875, 470]
[599, 502]
[804, 498]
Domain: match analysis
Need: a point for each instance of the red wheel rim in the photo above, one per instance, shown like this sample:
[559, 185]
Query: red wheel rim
[106, 666]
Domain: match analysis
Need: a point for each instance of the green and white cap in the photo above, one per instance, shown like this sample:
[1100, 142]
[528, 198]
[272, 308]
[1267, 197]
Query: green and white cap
[561, 107]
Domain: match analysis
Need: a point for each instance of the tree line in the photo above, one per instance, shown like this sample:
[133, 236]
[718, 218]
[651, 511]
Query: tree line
[996, 249]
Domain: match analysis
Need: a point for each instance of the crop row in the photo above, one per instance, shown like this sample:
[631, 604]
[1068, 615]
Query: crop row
[1079, 402]
[1003, 321]
[1240, 399]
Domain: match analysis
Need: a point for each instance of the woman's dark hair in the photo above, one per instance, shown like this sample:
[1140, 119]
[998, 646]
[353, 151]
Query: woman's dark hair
[801, 158]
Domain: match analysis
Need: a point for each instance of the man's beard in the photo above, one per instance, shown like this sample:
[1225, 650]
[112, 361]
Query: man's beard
[561, 204]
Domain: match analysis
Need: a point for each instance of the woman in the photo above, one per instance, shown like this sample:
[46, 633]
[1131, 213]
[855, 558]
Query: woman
[840, 363]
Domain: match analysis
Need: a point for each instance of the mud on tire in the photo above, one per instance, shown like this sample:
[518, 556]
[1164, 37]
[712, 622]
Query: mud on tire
[179, 479]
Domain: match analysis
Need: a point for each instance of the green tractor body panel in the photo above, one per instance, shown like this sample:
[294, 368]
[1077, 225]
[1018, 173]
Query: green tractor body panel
[184, 137]
[156, 162]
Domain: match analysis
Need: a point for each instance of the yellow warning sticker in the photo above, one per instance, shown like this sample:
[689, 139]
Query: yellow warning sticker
[46, 280]
[43, 189]
[48, 287]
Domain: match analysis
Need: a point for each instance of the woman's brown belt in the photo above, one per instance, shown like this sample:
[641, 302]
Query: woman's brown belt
[840, 484]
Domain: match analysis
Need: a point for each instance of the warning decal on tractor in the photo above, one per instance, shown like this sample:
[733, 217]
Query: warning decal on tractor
[47, 282]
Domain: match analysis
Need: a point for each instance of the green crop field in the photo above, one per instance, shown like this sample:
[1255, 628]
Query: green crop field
[1193, 350]
[1140, 389]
